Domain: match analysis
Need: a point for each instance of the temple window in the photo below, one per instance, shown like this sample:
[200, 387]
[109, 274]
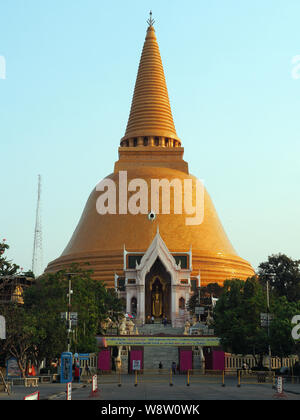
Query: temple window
[121, 284]
[133, 305]
[131, 281]
[181, 303]
[182, 259]
[133, 259]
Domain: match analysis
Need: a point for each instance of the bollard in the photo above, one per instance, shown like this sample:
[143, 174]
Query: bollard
[188, 378]
[136, 382]
[171, 383]
[223, 378]
[95, 391]
[273, 381]
[119, 384]
[239, 379]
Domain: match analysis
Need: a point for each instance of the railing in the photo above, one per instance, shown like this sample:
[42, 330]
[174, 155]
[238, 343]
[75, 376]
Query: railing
[195, 378]
[255, 377]
[234, 362]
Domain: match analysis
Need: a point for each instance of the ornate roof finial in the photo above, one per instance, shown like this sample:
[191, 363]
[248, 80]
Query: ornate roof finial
[150, 21]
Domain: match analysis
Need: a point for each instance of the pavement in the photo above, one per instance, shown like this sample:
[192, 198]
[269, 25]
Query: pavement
[157, 388]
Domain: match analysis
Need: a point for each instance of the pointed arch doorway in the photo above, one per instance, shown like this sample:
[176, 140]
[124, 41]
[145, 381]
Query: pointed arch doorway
[158, 292]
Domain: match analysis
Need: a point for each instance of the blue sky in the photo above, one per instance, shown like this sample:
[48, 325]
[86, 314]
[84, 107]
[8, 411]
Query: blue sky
[64, 104]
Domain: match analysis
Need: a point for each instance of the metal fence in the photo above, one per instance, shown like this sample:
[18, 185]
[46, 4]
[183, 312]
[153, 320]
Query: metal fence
[194, 377]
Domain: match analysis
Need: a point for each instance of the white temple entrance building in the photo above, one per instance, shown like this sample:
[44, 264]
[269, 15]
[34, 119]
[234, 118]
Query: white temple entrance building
[156, 284]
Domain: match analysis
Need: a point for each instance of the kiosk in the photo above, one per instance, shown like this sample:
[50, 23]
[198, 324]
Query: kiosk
[66, 367]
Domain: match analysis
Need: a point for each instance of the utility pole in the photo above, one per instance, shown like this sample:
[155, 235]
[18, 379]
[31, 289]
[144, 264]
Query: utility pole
[268, 320]
[37, 255]
[199, 301]
[268, 324]
[69, 296]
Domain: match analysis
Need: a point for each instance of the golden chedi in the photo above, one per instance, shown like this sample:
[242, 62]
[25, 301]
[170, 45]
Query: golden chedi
[155, 257]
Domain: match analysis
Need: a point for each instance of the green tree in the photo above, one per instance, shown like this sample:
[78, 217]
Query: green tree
[281, 341]
[7, 268]
[283, 274]
[47, 299]
[21, 332]
[237, 318]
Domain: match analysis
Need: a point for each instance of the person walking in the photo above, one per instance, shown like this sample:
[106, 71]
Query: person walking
[174, 368]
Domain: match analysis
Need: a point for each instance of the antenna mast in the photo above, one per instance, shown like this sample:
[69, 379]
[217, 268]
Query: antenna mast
[37, 257]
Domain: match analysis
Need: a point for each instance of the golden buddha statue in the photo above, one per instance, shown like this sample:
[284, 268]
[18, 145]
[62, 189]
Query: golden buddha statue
[157, 303]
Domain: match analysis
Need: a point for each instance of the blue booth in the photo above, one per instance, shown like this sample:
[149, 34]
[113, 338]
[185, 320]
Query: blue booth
[66, 367]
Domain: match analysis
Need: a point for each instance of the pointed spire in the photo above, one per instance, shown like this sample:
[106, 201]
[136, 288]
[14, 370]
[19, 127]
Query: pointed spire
[150, 121]
[150, 21]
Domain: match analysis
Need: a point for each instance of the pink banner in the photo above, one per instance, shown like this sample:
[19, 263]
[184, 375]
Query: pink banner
[104, 361]
[218, 360]
[136, 360]
[186, 360]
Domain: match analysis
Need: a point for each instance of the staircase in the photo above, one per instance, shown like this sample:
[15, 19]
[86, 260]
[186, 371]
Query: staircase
[155, 354]
[158, 329]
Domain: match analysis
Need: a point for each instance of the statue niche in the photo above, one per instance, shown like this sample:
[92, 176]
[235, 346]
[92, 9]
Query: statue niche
[158, 292]
[157, 299]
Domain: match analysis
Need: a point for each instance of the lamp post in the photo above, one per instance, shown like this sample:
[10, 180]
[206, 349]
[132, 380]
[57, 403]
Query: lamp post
[271, 275]
[199, 301]
[69, 296]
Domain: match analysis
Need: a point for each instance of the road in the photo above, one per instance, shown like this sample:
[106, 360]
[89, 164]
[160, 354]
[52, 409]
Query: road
[158, 389]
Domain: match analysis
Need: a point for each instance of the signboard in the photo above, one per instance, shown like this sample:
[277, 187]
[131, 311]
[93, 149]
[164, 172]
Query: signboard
[279, 385]
[69, 391]
[12, 368]
[162, 341]
[136, 365]
[34, 396]
[2, 328]
[264, 319]
[84, 356]
[199, 310]
[73, 317]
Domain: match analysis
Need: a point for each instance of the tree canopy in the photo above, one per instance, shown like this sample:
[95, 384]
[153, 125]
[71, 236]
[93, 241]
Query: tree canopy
[37, 330]
[237, 320]
[7, 267]
[283, 274]
[93, 303]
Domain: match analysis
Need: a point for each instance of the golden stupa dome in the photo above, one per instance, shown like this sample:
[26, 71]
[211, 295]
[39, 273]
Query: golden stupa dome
[151, 149]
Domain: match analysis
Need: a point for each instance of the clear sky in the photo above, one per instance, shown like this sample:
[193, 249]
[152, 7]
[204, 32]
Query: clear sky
[235, 95]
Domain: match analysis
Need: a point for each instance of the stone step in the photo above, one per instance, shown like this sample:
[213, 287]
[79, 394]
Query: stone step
[153, 329]
[164, 354]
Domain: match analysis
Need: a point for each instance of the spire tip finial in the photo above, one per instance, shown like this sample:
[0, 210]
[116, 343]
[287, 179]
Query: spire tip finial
[150, 21]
